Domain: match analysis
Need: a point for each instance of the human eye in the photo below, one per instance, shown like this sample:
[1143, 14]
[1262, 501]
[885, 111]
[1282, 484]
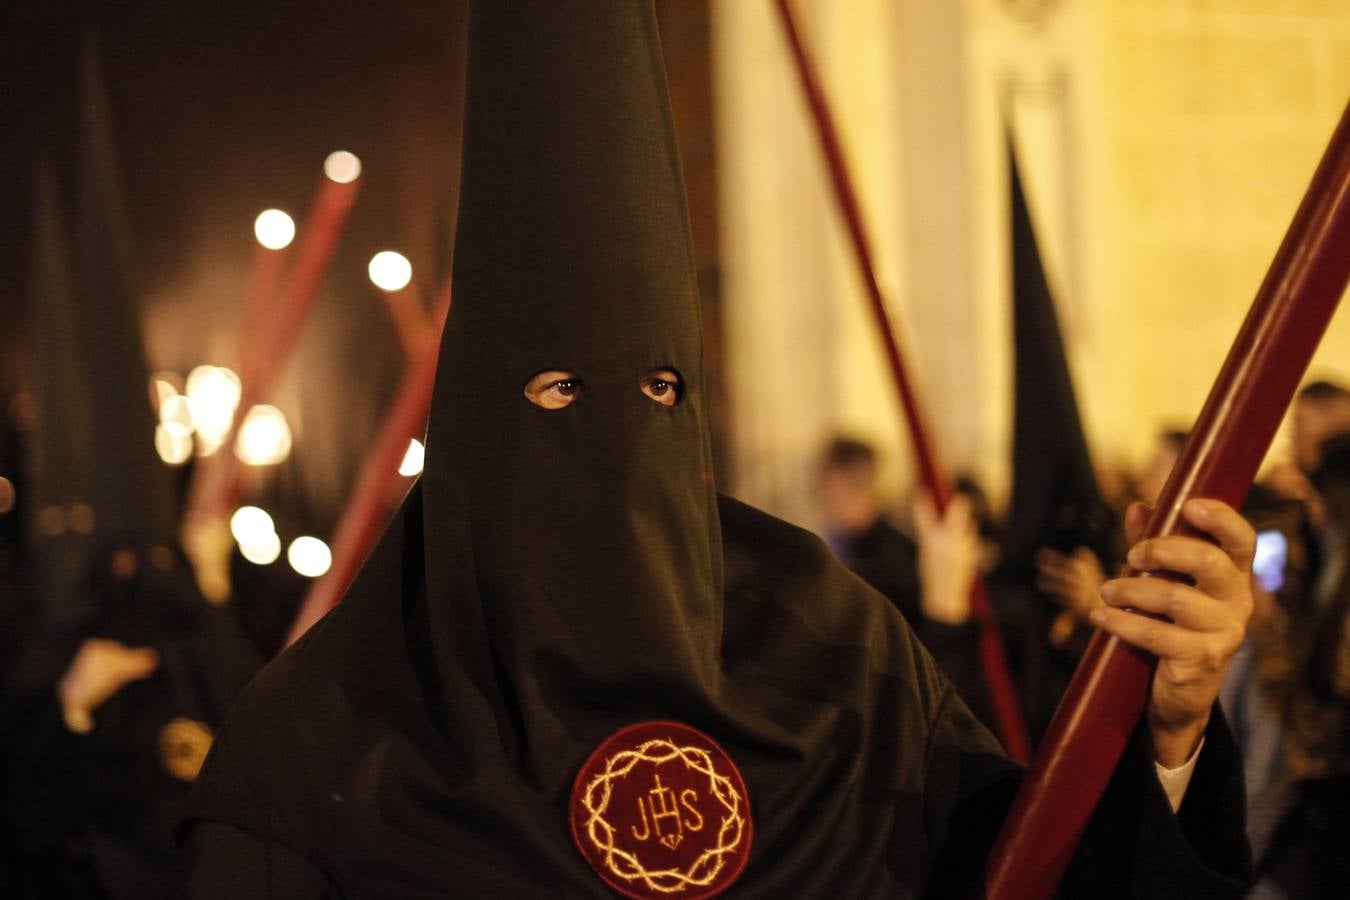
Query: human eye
[663, 385]
[553, 388]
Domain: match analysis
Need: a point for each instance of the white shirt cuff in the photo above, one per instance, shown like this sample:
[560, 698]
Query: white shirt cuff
[1175, 781]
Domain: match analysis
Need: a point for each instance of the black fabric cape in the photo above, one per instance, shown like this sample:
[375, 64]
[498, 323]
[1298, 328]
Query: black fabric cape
[560, 574]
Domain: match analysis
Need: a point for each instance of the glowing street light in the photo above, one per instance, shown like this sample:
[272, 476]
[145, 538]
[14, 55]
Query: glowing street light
[342, 167]
[412, 460]
[390, 271]
[264, 437]
[274, 229]
[309, 556]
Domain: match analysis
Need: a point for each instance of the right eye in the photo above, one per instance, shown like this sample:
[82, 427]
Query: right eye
[553, 388]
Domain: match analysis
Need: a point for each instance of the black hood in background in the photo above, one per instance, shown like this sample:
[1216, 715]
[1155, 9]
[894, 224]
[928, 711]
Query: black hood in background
[1055, 500]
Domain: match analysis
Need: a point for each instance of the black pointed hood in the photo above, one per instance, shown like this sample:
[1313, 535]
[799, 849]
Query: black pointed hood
[593, 528]
[60, 498]
[1055, 500]
[133, 493]
[560, 575]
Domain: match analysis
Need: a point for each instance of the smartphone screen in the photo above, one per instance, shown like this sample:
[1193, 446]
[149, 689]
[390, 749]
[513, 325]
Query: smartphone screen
[1272, 552]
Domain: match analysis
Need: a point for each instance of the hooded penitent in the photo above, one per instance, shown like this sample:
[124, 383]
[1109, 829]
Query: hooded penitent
[1055, 500]
[570, 667]
[94, 813]
[59, 510]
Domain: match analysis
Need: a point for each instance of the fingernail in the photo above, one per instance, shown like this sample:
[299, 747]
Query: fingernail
[1196, 510]
[1097, 616]
[1136, 556]
[1108, 590]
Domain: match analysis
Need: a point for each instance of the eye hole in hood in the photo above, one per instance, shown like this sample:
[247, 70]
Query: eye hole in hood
[553, 388]
[663, 386]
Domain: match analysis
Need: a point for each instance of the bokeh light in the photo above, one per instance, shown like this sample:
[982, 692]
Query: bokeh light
[263, 552]
[274, 229]
[164, 385]
[264, 437]
[175, 416]
[413, 459]
[173, 447]
[256, 535]
[251, 525]
[81, 518]
[8, 495]
[309, 556]
[214, 392]
[390, 271]
[342, 167]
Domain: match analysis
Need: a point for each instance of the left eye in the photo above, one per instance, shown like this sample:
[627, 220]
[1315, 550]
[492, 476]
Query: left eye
[663, 386]
[553, 388]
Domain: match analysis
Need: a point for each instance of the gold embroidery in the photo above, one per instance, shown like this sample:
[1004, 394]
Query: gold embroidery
[646, 831]
[624, 864]
[661, 800]
[688, 804]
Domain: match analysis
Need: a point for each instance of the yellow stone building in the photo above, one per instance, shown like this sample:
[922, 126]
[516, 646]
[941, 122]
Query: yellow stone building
[1166, 144]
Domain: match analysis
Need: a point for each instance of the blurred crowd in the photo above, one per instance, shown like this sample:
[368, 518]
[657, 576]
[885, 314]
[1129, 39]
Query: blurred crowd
[1287, 693]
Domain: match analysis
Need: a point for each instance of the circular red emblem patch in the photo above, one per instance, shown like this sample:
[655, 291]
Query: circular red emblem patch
[659, 810]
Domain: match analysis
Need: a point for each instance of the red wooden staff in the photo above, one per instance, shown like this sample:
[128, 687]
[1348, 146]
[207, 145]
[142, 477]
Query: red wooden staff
[264, 284]
[410, 322]
[379, 487]
[1008, 715]
[1108, 692]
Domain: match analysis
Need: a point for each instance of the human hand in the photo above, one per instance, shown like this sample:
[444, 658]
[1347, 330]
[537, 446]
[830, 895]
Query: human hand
[1205, 623]
[1073, 581]
[100, 669]
[949, 557]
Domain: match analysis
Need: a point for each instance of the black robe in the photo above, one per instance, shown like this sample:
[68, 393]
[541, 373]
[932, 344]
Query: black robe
[871, 777]
[886, 558]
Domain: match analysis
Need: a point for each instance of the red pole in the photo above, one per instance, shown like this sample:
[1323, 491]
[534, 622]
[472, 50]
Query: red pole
[405, 311]
[1263, 369]
[264, 283]
[380, 486]
[1003, 696]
